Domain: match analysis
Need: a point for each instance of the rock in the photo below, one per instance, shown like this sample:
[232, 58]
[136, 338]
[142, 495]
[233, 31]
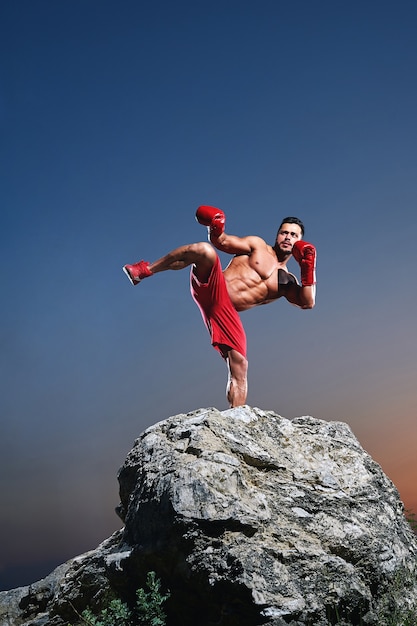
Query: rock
[247, 518]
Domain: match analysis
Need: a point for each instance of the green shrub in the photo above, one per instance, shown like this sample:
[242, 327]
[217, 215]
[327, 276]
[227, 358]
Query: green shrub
[149, 604]
[117, 614]
[391, 610]
[148, 610]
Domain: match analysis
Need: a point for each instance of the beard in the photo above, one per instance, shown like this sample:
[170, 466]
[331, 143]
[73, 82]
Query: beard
[283, 251]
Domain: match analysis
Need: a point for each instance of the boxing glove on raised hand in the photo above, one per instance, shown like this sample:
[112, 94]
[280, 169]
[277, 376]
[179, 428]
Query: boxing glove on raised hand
[213, 218]
[305, 255]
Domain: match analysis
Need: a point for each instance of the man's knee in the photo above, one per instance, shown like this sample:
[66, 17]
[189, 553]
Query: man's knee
[204, 250]
[203, 257]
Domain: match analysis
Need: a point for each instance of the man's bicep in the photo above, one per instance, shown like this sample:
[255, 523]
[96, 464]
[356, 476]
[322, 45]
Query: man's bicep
[232, 244]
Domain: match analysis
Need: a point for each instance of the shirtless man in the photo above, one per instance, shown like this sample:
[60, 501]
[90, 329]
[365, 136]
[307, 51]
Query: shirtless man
[257, 274]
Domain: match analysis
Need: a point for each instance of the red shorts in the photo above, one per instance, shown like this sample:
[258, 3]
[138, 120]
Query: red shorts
[219, 314]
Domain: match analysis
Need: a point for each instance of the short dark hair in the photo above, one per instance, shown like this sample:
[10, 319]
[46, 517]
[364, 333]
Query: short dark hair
[292, 220]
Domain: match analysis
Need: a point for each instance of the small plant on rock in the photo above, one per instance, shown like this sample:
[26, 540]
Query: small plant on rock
[116, 614]
[392, 611]
[148, 610]
[149, 604]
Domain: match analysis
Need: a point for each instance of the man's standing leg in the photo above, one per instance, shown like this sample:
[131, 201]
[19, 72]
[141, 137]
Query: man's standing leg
[237, 383]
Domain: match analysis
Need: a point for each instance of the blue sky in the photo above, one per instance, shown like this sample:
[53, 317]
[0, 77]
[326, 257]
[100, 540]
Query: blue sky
[117, 120]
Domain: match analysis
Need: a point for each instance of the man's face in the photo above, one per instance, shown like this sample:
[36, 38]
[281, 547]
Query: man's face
[287, 235]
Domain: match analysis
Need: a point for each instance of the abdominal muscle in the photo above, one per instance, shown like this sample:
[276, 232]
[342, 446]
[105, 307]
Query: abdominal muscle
[247, 288]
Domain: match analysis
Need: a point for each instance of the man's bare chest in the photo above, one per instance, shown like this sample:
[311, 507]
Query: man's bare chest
[264, 265]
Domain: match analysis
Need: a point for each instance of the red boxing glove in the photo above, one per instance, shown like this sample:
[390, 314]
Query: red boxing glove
[213, 218]
[305, 254]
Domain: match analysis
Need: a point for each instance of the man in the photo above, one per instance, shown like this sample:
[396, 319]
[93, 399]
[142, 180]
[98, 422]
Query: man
[257, 274]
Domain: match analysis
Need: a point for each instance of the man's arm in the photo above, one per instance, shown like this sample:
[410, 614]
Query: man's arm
[215, 220]
[232, 244]
[304, 296]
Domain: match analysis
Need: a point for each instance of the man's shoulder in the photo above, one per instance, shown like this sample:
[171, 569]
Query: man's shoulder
[257, 242]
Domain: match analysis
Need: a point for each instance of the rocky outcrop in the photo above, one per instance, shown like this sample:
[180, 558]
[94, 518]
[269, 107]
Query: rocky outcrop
[247, 518]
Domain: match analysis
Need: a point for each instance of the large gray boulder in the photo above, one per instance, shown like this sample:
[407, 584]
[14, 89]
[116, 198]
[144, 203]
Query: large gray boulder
[247, 518]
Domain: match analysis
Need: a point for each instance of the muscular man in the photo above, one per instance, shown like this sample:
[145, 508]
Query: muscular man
[257, 274]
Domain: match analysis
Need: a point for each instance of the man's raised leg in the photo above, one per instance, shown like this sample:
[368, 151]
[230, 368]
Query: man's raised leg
[237, 383]
[201, 254]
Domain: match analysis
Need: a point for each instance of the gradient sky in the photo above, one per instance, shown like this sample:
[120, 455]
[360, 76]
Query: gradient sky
[117, 120]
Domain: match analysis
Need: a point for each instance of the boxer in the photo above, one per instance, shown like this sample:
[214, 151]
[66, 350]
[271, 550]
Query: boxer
[257, 274]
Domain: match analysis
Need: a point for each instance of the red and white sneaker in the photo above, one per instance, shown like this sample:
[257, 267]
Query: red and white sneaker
[137, 271]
